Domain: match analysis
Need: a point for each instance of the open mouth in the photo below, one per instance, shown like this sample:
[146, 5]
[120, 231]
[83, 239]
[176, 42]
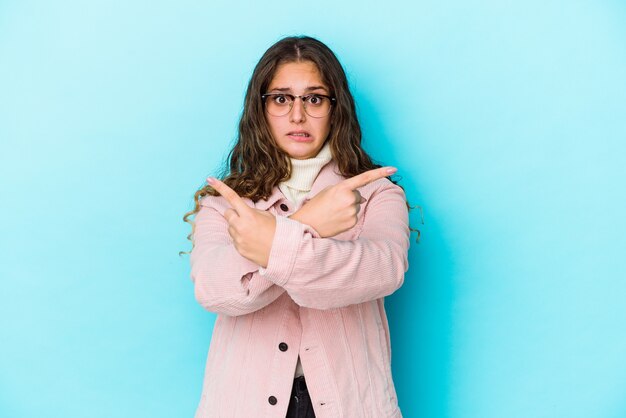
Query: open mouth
[301, 134]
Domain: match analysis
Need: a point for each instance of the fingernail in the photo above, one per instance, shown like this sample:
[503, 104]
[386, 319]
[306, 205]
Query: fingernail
[210, 180]
[391, 170]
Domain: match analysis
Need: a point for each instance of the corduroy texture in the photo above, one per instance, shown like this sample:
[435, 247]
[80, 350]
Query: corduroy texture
[323, 297]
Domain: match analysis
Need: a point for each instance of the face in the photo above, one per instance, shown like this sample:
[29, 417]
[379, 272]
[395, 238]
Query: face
[298, 134]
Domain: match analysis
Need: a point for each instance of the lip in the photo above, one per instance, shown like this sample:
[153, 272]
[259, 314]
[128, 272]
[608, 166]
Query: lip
[298, 137]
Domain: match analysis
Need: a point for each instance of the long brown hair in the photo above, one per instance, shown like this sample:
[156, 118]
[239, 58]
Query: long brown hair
[256, 164]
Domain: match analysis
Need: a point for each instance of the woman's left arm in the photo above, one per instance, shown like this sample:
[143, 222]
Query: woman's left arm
[326, 273]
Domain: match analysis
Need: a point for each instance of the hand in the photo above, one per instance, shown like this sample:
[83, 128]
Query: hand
[335, 209]
[252, 230]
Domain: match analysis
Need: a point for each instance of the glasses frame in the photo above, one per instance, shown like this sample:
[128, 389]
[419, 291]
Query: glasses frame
[302, 97]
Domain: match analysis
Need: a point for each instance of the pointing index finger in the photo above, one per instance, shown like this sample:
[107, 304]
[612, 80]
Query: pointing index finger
[229, 194]
[362, 179]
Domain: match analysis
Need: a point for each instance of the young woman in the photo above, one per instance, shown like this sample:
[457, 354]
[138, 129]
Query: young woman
[295, 249]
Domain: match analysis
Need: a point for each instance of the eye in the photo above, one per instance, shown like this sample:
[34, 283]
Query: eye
[280, 99]
[315, 100]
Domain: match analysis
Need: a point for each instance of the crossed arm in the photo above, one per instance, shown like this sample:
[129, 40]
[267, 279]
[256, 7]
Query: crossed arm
[247, 258]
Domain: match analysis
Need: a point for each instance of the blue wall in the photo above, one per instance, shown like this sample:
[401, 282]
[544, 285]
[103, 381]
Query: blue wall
[506, 120]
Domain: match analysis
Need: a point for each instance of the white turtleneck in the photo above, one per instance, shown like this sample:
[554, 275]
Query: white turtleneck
[303, 174]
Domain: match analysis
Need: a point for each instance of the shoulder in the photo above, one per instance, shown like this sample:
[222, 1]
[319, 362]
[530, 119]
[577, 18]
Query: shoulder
[218, 203]
[382, 186]
[384, 199]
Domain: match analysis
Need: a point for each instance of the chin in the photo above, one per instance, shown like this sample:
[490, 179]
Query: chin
[303, 154]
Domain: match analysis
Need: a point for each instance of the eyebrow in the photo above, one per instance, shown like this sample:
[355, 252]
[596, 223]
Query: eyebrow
[311, 88]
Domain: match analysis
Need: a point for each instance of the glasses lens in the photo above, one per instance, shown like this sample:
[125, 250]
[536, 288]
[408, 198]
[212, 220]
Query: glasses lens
[316, 106]
[278, 104]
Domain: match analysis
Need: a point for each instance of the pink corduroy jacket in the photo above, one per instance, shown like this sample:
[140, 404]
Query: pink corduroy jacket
[320, 298]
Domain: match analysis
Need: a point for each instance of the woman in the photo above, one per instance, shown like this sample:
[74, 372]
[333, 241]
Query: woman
[295, 250]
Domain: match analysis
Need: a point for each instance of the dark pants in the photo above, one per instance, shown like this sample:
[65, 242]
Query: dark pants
[300, 405]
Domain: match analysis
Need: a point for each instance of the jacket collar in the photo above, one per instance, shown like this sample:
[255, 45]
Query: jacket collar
[328, 176]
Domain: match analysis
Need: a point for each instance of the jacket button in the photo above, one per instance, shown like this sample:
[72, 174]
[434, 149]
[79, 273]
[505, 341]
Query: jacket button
[284, 207]
[272, 400]
[283, 347]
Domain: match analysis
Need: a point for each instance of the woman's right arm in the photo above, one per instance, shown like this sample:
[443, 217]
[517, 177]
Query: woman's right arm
[225, 281]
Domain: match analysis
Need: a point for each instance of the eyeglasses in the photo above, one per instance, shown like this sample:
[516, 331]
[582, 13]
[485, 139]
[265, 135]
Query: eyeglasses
[315, 105]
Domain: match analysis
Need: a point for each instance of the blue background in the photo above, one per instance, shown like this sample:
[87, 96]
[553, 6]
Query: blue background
[506, 120]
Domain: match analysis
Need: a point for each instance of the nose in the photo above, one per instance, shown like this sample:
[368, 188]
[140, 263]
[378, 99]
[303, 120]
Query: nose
[297, 114]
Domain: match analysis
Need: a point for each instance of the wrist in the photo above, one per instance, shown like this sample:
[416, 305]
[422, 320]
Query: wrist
[307, 219]
[296, 216]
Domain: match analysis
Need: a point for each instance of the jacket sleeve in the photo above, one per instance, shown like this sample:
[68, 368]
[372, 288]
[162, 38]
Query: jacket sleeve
[325, 273]
[224, 281]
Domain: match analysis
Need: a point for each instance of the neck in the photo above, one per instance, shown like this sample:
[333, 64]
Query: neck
[303, 174]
